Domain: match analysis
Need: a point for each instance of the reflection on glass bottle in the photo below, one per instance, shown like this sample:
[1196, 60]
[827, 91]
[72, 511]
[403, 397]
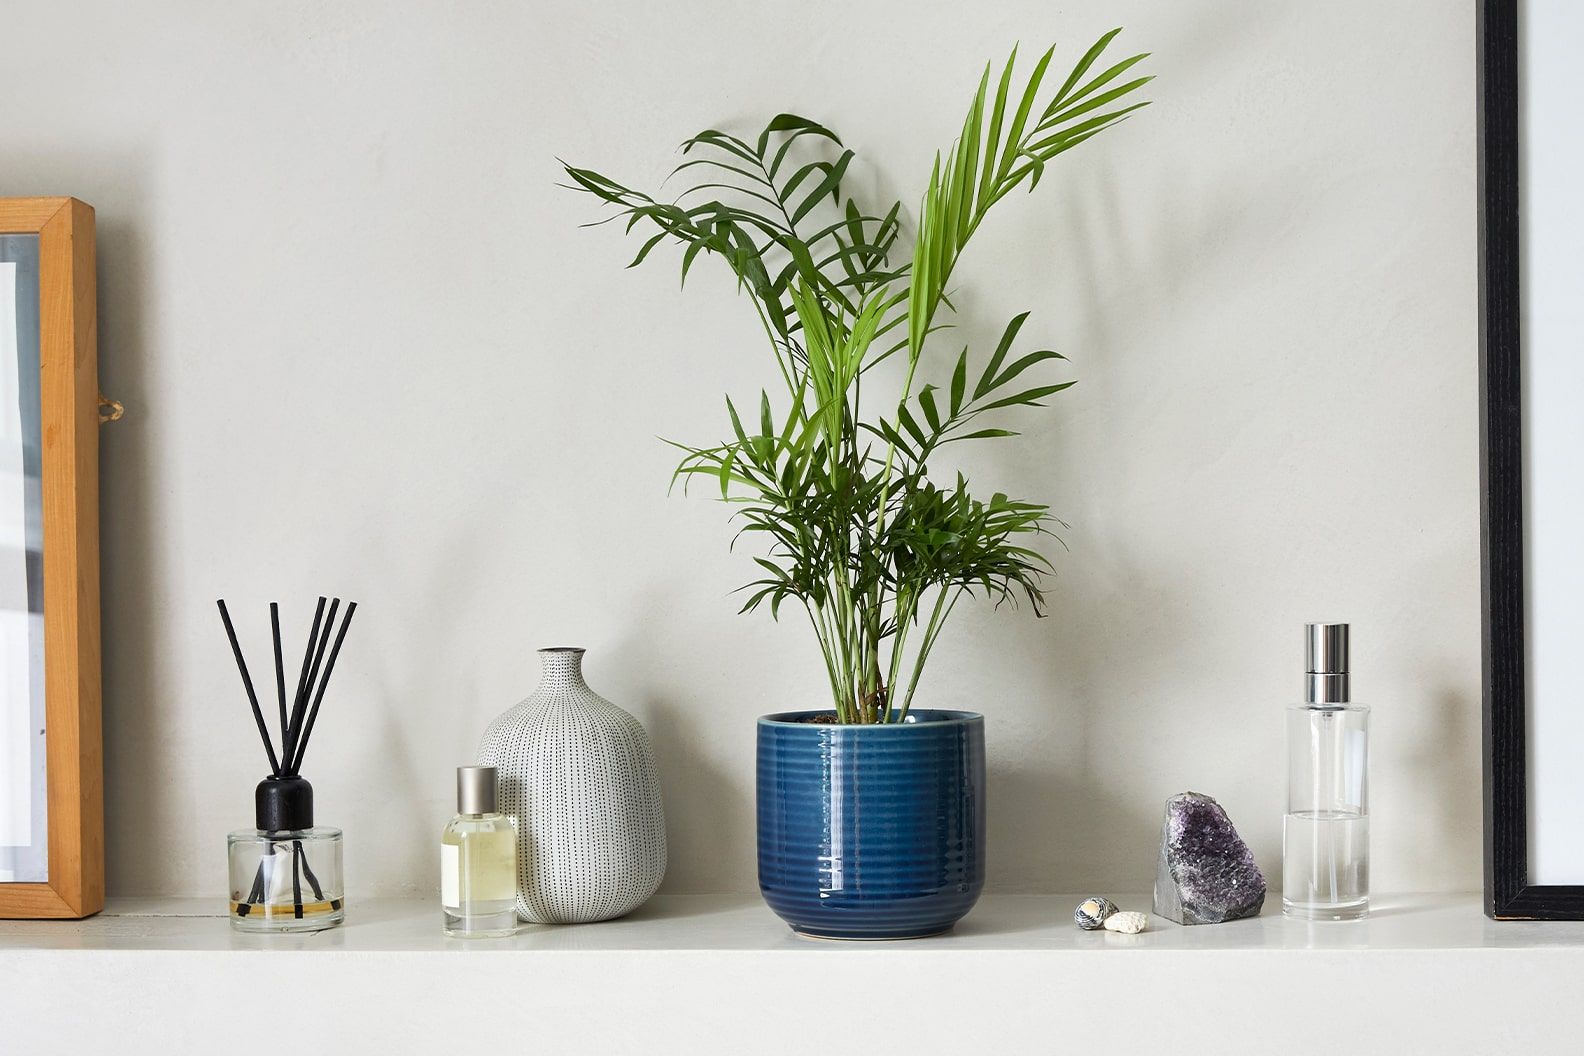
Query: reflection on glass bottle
[478, 861]
[1325, 840]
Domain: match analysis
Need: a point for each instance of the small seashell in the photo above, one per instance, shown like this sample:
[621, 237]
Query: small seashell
[1129, 923]
[1092, 912]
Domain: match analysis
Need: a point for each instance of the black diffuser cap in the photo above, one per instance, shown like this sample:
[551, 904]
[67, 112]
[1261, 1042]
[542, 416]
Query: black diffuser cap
[283, 804]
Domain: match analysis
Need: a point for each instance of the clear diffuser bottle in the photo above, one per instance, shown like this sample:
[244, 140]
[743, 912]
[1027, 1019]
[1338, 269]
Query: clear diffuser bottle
[478, 861]
[286, 872]
[1325, 839]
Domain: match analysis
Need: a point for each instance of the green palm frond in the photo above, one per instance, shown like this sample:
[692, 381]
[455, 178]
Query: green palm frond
[996, 152]
[849, 524]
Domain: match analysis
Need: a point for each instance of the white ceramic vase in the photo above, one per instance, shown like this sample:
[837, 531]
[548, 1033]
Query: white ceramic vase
[579, 776]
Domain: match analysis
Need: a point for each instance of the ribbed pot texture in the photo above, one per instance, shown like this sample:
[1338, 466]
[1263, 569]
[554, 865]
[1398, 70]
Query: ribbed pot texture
[872, 832]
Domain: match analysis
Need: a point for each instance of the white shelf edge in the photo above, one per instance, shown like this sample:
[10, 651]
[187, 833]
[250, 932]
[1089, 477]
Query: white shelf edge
[723, 923]
[708, 974]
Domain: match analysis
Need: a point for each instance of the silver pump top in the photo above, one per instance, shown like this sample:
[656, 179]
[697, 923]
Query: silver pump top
[1327, 679]
[476, 789]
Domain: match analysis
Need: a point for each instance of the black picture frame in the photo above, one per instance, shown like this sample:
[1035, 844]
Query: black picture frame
[1508, 893]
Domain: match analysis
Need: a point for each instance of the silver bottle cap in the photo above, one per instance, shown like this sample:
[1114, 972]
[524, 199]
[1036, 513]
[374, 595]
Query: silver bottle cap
[1326, 678]
[476, 789]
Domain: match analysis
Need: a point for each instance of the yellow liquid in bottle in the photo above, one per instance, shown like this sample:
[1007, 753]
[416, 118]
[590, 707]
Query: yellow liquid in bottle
[478, 875]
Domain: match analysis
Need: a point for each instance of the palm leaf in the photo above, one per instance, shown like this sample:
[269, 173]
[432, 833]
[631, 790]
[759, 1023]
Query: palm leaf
[840, 506]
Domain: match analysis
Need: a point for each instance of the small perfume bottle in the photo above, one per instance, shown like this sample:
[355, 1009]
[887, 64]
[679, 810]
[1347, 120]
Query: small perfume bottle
[478, 861]
[1325, 839]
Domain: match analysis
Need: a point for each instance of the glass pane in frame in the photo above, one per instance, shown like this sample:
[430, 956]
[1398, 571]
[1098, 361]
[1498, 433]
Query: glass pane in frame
[24, 852]
[1550, 165]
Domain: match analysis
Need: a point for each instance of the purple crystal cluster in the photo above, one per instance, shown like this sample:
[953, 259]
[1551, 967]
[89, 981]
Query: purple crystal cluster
[1206, 872]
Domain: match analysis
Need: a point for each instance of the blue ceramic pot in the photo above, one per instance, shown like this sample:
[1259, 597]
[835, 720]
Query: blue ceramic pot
[872, 832]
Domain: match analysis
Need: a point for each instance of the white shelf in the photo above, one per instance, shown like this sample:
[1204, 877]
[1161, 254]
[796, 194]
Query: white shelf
[721, 973]
[740, 923]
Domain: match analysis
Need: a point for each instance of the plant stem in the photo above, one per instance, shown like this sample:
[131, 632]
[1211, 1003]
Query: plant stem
[932, 631]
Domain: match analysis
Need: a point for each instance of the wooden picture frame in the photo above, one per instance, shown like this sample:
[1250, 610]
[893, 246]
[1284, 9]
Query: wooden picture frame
[1509, 814]
[69, 402]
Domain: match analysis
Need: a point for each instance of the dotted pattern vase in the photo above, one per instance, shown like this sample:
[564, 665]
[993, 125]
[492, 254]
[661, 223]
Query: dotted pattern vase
[578, 774]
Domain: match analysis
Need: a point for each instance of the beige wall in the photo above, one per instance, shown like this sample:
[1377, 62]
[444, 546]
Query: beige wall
[365, 349]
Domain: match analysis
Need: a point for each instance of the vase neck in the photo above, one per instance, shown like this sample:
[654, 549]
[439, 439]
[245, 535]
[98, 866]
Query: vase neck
[563, 664]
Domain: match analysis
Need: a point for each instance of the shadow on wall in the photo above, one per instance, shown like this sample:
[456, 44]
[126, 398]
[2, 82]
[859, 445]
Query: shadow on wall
[698, 797]
[1061, 825]
[1076, 802]
[382, 746]
[709, 812]
[1099, 824]
[137, 655]
[1449, 727]
[1096, 822]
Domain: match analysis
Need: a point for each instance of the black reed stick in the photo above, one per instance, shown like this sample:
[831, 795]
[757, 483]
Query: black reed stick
[280, 672]
[313, 680]
[299, 702]
[256, 895]
[295, 763]
[297, 906]
[247, 683]
[319, 654]
[313, 881]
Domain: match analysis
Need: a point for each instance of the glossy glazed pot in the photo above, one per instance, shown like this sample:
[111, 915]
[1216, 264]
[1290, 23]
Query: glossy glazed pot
[872, 832]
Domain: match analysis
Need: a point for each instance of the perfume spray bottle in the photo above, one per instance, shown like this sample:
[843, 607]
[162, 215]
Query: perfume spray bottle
[285, 873]
[478, 861]
[1325, 840]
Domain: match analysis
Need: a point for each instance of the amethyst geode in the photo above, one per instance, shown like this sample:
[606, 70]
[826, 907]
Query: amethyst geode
[1206, 873]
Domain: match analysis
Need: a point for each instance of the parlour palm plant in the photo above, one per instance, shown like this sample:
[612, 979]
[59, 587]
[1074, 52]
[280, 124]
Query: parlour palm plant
[855, 529]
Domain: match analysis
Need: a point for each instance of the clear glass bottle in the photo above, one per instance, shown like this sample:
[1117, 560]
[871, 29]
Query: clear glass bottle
[478, 861]
[1325, 839]
[285, 873]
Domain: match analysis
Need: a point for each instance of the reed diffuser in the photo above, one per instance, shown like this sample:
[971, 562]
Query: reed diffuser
[286, 873]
